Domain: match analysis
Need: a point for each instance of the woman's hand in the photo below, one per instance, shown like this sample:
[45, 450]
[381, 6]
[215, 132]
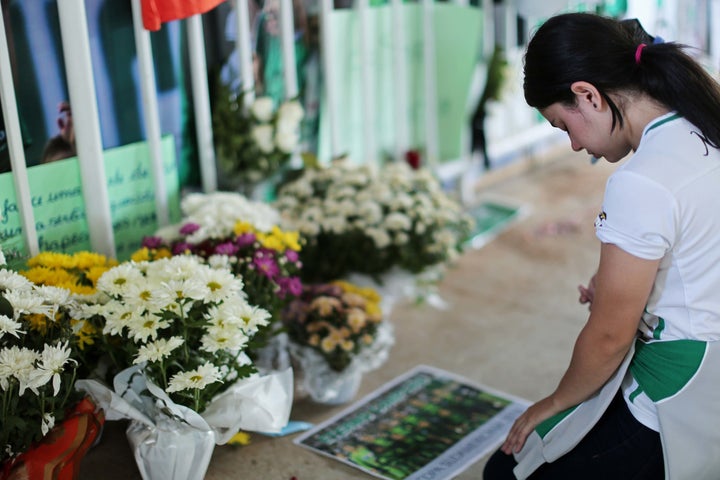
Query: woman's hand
[526, 423]
[587, 294]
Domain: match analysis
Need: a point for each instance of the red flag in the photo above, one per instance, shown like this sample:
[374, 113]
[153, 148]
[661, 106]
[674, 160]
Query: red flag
[156, 12]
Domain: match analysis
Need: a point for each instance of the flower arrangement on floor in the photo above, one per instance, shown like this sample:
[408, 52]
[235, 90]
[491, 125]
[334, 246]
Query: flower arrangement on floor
[336, 333]
[254, 143]
[185, 327]
[244, 236]
[38, 371]
[357, 220]
[79, 272]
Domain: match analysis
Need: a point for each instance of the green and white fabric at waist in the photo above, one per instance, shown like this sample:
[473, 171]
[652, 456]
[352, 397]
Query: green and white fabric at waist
[682, 377]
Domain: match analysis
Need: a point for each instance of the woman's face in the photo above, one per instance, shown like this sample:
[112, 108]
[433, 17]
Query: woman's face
[589, 129]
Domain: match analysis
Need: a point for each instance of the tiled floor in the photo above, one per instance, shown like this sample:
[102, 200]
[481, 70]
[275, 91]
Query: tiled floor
[511, 320]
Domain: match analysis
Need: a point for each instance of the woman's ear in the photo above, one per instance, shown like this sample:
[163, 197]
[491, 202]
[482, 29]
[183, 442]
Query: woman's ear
[586, 94]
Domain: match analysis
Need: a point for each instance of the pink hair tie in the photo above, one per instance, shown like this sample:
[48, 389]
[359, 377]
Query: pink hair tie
[638, 52]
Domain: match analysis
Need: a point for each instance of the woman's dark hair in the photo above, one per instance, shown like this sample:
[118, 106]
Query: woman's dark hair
[586, 47]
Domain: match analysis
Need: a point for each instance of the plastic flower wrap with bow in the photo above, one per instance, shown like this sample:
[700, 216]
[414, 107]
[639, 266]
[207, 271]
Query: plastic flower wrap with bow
[253, 143]
[185, 326]
[337, 333]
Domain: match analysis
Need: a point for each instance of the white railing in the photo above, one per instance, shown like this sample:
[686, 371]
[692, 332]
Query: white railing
[84, 102]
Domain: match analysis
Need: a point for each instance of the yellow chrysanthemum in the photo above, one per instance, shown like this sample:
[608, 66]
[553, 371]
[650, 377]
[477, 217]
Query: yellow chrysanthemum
[271, 241]
[85, 335]
[77, 288]
[161, 253]
[243, 227]
[86, 260]
[292, 240]
[51, 260]
[38, 323]
[141, 255]
[374, 311]
[94, 273]
[42, 275]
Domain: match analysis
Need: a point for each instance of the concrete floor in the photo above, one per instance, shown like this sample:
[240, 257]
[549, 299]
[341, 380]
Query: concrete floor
[512, 319]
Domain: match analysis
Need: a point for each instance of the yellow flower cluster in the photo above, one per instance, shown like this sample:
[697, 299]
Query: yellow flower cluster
[146, 254]
[76, 272]
[345, 322]
[276, 239]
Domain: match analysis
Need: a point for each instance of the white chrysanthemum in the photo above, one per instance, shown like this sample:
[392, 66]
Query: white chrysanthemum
[118, 316]
[291, 112]
[191, 288]
[253, 317]
[179, 267]
[380, 237]
[48, 422]
[18, 362]
[147, 294]
[157, 350]
[27, 302]
[13, 282]
[310, 229]
[54, 295]
[142, 327]
[88, 310]
[336, 224]
[117, 279]
[446, 238]
[2, 258]
[220, 262]
[51, 364]
[9, 326]
[225, 337]
[286, 140]
[217, 213]
[370, 211]
[402, 202]
[198, 379]
[262, 135]
[221, 284]
[398, 222]
[401, 238]
[262, 108]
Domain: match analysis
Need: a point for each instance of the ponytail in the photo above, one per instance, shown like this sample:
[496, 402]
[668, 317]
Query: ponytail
[605, 52]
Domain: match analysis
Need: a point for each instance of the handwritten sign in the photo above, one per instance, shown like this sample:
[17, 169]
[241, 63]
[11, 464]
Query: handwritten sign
[458, 42]
[59, 205]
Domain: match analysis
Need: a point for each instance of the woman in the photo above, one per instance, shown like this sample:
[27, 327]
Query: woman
[640, 398]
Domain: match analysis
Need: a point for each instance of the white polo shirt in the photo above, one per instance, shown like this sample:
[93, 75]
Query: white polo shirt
[664, 203]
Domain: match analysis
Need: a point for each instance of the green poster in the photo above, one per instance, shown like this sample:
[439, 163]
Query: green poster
[458, 42]
[59, 206]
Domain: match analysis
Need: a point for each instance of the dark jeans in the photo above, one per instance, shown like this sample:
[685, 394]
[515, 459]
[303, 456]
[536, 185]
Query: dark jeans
[617, 448]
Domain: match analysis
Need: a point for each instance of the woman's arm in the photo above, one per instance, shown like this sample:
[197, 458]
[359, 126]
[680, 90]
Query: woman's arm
[623, 284]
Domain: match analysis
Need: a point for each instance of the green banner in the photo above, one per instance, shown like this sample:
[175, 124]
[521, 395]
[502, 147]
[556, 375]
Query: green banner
[458, 43]
[59, 206]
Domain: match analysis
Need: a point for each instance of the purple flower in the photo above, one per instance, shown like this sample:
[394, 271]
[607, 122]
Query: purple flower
[292, 255]
[226, 248]
[189, 228]
[245, 240]
[181, 247]
[289, 285]
[152, 242]
[267, 265]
